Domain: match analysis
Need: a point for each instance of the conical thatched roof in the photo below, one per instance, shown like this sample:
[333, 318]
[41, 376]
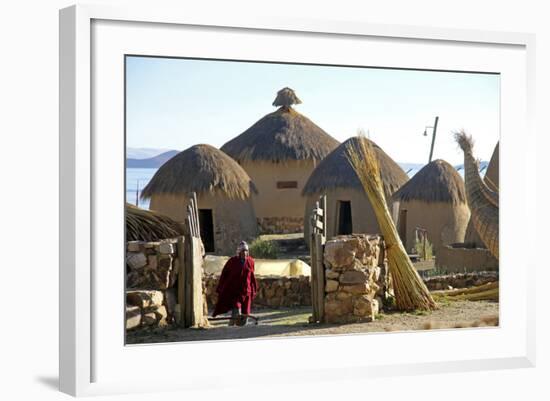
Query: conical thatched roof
[201, 168]
[146, 225]
[281, 136]
[286, 97]
[335, 171]
[437, 181]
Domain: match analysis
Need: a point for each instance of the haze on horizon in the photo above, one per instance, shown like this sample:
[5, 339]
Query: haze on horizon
[177, 103]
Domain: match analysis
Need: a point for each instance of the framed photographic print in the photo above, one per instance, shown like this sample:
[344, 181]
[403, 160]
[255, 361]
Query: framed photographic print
[290, 189]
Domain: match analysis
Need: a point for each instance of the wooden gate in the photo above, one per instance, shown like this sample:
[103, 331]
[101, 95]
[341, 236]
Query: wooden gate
[318, 224]
[190, 296]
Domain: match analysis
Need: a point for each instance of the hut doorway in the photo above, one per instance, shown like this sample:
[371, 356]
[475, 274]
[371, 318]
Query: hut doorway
[345, 225]
[403, 227]
[206, 223]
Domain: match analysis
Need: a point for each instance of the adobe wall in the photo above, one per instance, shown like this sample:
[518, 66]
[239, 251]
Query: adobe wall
[234, 220]
[463, 258]
[279, 210]
[362, 214]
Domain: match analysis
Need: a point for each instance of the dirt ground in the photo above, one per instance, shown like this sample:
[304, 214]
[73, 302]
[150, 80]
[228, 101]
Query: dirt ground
[293, 322]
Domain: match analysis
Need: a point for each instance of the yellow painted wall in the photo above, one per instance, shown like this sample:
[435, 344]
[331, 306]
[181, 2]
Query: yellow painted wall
[234, 220]
[446, 224]
[271, 201]
[362, 215]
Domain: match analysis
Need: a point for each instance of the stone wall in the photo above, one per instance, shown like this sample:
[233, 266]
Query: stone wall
[151, 265]
[273, 292]
[151, 273]
[460, 280]
[356, 278]
[145, 309]
[281, 225]
[465, 258]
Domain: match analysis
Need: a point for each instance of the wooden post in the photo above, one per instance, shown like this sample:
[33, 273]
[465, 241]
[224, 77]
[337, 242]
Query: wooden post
[181, 280]
[313, 280]
[319, 276]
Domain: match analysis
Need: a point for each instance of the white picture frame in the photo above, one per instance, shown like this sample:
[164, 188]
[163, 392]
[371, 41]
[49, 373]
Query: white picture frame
[94, 360]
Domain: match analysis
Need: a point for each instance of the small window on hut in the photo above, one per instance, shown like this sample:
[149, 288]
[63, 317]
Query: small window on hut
[287, 184]
[345, 225]
[206, 223]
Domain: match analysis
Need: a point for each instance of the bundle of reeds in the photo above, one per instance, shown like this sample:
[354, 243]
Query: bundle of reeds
[410, 291]
[485, 292]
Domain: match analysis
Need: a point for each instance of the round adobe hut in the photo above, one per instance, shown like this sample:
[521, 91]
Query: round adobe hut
[279, 153]
[348, 206]
[492, 180]
[226, 213]
[434, 199]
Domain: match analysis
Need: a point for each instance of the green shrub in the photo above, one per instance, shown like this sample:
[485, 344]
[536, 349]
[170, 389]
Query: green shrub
[263, 249]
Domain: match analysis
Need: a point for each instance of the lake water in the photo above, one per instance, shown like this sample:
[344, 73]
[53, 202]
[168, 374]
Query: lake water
[136, 180]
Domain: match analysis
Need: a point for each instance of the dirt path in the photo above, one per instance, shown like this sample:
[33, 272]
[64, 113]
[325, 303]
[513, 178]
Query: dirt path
[293, 322]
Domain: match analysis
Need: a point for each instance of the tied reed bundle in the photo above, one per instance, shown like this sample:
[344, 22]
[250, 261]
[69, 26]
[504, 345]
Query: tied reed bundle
[485, 292]
[410, 291]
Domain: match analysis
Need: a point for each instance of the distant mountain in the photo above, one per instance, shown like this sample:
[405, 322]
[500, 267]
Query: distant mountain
[152, 162]
[144, 153]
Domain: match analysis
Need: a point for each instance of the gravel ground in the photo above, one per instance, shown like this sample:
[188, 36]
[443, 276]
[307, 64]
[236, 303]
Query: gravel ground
[293, 322]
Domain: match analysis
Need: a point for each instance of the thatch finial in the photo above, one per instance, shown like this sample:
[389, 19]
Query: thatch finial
[286, 97]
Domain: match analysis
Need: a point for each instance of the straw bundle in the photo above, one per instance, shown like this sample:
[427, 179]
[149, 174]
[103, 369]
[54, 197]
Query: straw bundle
[410, 291]
[485, 292]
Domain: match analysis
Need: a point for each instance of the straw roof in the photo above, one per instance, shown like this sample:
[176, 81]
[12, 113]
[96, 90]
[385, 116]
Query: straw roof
[335, 171]
[200, 169]
[437, 181]
[281, 136]
[146, 225]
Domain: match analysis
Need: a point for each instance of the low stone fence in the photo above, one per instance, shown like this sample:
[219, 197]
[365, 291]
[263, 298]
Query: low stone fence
[465, 258]
[273, 291]
[460, 280]
[151, 273]
[145, 309]
[281, 225]
[151, 265]
[356, 278]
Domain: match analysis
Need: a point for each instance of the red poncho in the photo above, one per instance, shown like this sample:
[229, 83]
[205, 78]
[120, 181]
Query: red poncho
[237, 286]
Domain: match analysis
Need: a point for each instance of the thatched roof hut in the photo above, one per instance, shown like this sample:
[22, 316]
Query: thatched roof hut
[200, 169]
[223, 191]
[349, 209]
[434, 199]
[146, 225]
[279, 152]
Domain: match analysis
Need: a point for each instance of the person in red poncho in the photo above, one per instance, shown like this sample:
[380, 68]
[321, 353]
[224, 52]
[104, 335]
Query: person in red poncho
[237, 286]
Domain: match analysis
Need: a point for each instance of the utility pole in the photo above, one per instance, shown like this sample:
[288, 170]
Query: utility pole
[434, 131]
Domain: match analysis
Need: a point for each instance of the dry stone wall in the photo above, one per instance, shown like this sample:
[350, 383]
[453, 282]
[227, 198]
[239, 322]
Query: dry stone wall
[273, 291]
[151, 273]
[151, 265]
[145, 309]
[460, 280]
[281, 225]
[465, 258]
[356, 279]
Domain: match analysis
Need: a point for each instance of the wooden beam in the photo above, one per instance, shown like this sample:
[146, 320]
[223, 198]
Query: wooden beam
[181, 280]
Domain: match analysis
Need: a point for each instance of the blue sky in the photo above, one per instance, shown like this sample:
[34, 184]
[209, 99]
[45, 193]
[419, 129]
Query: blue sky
[176, 103]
